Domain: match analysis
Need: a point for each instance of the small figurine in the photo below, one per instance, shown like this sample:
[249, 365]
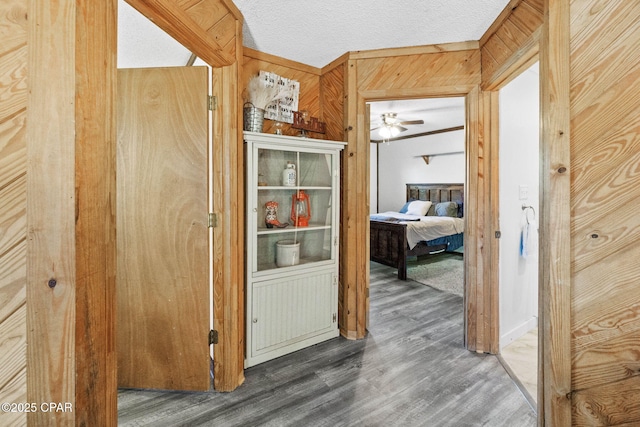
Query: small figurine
[271, 218]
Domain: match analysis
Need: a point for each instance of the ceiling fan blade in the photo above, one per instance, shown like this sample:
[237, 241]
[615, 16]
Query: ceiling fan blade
[400, 128]
[412, 122]
[375, 128]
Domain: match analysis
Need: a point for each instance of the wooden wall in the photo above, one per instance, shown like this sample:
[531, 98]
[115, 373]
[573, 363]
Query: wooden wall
[13, 193]
[605, 184]
[590, 320]
[308, 76]
[602, 74]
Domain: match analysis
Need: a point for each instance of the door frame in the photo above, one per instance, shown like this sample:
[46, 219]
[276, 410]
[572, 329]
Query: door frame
[473, 115]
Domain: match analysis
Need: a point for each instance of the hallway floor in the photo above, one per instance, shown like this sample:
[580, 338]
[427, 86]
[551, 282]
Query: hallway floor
[410, 370]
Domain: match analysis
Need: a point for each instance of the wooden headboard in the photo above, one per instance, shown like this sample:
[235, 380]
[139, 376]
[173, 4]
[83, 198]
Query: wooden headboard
[436, 193]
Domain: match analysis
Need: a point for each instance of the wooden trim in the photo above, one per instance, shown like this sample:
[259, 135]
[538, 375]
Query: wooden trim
[492, 132]
[179, 25]
[518, 62]
[95, 215]
[234, 10]
[472, 118]
[555, 216]
[432, 92]
[414, 50]
[228, 202]
[504, 15]
[348, 212]
[261, 56]
[340, 61]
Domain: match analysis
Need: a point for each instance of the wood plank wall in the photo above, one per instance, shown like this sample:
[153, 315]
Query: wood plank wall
[308, 76]
[591, 321]
[13, 193]
[605, 187]
[604, 141]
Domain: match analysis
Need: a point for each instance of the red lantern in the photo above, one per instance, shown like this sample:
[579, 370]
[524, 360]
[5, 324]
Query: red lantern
[300, 209]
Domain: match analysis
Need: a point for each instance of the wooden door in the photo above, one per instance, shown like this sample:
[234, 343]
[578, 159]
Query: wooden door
[162, 235]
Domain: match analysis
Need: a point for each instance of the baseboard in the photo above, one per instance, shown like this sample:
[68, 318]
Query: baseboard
[518, 331]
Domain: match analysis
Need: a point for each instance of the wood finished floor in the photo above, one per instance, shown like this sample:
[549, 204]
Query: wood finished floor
[521, 357]
[410, 370]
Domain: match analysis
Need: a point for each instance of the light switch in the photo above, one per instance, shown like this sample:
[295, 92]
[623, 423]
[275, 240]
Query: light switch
[524, 192]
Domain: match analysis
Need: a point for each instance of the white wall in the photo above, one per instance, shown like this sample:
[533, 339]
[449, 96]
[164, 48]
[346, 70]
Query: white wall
[400, 162]
[519, 154]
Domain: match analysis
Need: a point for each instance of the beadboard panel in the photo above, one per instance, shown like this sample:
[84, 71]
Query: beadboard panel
[605, 136]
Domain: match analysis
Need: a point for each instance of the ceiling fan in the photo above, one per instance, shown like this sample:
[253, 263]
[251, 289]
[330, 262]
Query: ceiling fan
[391, 126]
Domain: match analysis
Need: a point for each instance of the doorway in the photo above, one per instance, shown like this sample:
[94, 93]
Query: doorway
[164, 196]
[428, 148]
[518, 211]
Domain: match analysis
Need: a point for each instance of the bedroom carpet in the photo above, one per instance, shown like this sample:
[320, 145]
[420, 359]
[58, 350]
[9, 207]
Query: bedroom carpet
[443, 271]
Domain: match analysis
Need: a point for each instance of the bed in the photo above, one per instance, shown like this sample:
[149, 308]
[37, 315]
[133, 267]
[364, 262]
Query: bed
[394, 236]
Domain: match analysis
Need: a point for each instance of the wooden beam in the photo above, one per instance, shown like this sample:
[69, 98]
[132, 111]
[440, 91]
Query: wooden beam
[51, 273]
[95, 215]
[228, 243]
[70, 212]
[555, 216]
[175, 21]
[414, 50]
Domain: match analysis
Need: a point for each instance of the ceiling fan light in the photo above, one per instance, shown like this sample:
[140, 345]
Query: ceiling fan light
[385, 132]
[394, 131]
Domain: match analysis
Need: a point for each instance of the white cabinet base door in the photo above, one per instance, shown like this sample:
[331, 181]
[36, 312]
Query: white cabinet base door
[292, 244]
[291, 313]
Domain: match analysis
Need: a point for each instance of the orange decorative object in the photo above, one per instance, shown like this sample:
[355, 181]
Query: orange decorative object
[300, 209]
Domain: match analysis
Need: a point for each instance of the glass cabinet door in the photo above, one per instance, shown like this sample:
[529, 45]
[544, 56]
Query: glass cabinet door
[294, 207]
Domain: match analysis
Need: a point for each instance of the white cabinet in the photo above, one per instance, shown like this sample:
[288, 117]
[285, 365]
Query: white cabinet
[292, 243]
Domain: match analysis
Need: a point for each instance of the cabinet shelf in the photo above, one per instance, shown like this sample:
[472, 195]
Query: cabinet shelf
[304, 187]
[292, 229]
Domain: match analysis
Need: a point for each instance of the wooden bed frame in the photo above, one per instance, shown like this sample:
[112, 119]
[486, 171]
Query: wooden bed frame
[388, 240]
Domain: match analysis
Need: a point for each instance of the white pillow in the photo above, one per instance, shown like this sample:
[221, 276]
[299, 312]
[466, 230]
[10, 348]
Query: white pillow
[418, 207]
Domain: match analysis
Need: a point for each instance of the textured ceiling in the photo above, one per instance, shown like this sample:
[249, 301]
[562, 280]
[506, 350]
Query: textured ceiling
[317, 32]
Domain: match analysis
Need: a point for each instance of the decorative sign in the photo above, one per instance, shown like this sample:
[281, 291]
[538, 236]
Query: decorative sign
[281, 109]
[312, 125]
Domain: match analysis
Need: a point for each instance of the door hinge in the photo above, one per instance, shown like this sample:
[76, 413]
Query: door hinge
[213, 103]
[334, 318]
[213, 337]
[213, 220]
